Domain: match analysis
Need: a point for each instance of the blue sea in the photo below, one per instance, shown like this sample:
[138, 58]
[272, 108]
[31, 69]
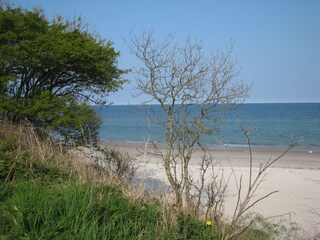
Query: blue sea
[271, 125]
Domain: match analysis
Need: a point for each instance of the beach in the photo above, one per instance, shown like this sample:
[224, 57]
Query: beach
[295, 177]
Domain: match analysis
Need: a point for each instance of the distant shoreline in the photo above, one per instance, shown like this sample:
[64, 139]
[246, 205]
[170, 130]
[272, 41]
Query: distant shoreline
[295, 158]
[229, 146]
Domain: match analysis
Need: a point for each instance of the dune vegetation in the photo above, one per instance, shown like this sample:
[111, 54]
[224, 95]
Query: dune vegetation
[48, 193]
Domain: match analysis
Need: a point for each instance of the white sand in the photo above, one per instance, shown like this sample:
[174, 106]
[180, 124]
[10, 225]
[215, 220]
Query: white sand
[296, 176]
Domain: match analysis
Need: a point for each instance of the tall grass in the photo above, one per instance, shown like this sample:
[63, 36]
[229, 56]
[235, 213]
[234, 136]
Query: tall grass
[27, 152]
[48, 193]
[84, 211]
[76, 211]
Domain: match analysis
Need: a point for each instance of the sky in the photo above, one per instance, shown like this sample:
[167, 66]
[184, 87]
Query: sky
[276, 43]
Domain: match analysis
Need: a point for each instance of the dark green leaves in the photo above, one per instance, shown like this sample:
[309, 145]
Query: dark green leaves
[49, 72]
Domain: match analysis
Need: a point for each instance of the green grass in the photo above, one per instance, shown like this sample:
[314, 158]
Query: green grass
[75, 211]
[83, 211]
[42, 197]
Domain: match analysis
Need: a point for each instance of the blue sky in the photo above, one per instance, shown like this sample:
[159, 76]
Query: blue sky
[277, 43]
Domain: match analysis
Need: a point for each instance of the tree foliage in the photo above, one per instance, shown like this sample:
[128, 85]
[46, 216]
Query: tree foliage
[51, 71]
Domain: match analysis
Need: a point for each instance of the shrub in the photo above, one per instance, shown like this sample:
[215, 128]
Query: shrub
[265, 229]
[111, 161]
[119, 163]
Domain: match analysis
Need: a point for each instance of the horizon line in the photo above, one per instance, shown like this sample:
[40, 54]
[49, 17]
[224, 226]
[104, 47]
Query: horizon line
[137, 104]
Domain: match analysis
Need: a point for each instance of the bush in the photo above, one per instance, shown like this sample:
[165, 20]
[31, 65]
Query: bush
[110, 161]
[119, 163]
[265, 229]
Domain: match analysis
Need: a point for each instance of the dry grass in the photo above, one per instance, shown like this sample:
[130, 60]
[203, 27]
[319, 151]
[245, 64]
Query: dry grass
[33, 141]
[39, 147]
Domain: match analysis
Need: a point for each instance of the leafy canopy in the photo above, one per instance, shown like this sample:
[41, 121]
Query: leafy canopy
[51, 71]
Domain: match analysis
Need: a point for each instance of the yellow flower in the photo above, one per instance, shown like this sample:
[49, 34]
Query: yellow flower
[209, 223]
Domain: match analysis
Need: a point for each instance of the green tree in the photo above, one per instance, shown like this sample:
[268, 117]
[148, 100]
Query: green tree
[51, 71]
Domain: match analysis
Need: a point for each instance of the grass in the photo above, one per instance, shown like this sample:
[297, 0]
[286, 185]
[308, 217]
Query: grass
[48, 194]
[73, 211]
[31, 210]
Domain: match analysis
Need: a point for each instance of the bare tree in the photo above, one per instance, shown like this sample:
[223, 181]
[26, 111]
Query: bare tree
[194, 91]
[244, 204]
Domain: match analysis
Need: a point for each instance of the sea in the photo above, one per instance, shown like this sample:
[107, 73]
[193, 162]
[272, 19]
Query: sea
[270, 125]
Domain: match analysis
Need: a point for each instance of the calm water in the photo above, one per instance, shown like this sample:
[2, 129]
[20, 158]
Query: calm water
[276, 125]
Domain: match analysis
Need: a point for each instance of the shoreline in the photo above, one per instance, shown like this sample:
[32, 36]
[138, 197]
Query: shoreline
[293, 159]
[227, 146]
[296, 176]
